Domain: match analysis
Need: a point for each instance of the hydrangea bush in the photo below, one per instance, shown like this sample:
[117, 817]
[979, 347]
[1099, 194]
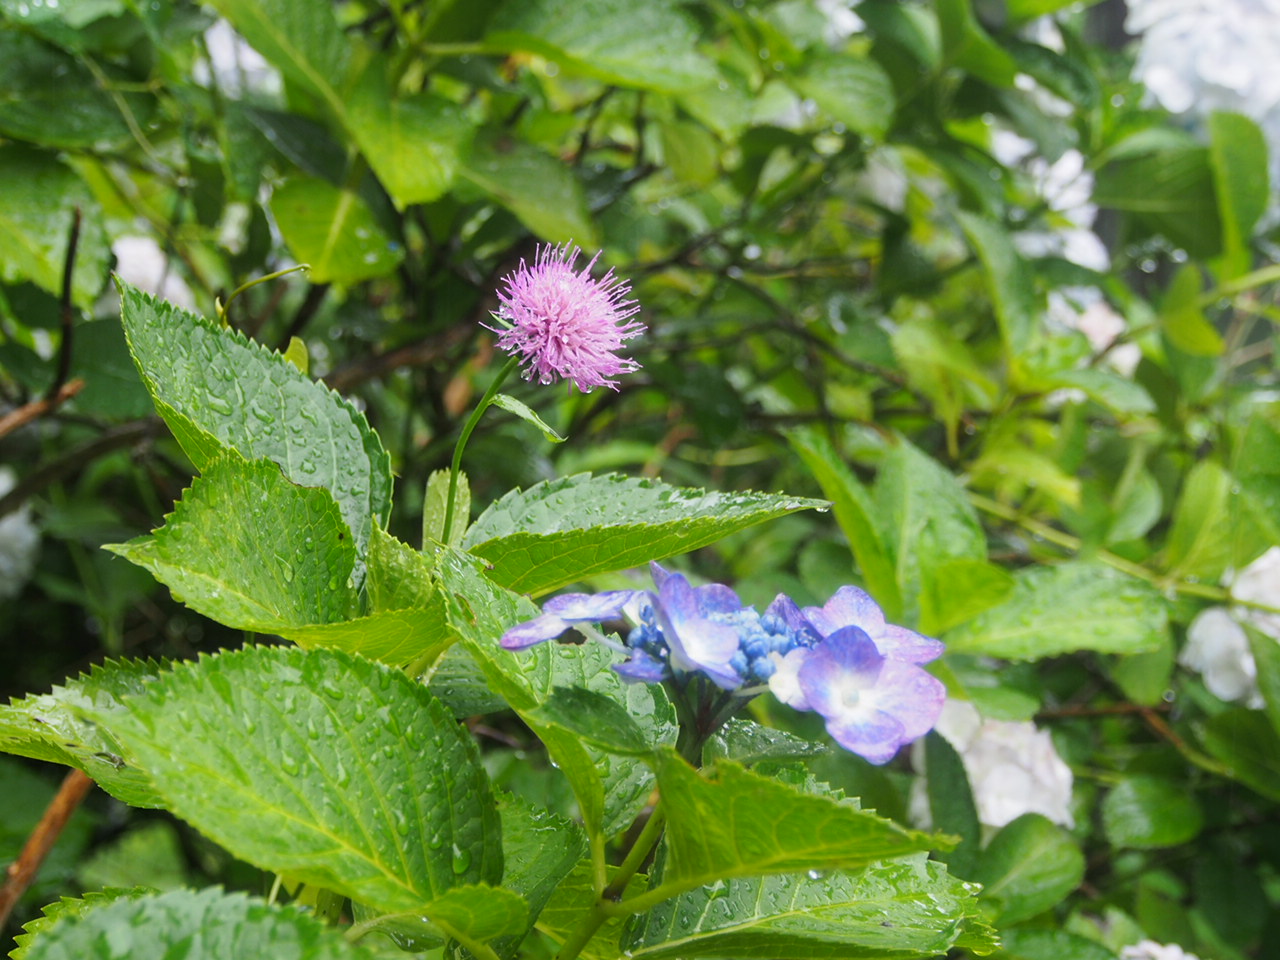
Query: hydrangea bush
[990, 666]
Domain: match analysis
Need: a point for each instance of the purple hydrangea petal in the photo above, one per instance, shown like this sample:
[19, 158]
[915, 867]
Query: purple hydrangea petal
[716, 598]
[872, 735]
[642, 668]
[590, 607]
[839, 671]
[848, 607]
[911, 696]
[899, 643]
[535, 631]
[696, 644]
[659, 573]
[789, 612]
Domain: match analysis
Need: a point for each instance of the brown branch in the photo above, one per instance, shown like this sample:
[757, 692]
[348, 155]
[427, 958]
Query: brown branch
[419, 354]
[24, 414]
[23, 871]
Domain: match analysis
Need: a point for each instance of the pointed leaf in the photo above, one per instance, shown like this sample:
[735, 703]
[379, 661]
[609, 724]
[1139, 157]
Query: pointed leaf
[334, 231]
[475, 912]
[238, 394]
[1008, 276]
[524, 412]
[1238, 156]
[204, 925]
[748, 742]
[435, 504]
[902, 909]
[335, 770]
[560, 531]
[71, 907]
[1030, 866]
[951, 804]
[856, 92]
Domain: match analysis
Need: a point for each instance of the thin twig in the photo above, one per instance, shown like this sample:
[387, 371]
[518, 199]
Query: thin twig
[67, 309]
[24, 414]
[23, 871]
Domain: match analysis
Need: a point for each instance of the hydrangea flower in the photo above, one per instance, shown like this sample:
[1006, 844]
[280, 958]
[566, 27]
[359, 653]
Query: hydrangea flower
[1150, 950]
[562, 324]
[842, 659]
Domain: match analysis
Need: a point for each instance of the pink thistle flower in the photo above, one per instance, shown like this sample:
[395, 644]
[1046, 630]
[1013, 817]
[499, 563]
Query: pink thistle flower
[564, 325]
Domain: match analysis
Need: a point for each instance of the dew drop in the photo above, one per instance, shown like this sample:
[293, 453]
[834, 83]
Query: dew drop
[461, 859]
[289, 765]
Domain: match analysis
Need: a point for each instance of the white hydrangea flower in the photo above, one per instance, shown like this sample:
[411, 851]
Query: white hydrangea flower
[1012, 767]
[1150, 950]
[1218, 648]
[237, 67]
[19, 543]
[141, 262]
[1087, 310]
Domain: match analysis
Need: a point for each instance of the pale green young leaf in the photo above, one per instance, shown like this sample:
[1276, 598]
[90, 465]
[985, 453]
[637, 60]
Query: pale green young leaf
[195, 925]
[333, 769]
[728, 822]
[333, 230]
[399, 577]
[967, 45]
[397, 637]
[901, 909]
[559, 531]
[49, 726]
[1076, 605]
[250, 549]
[1030, 866]
[610, 40]
[238, 394]
[435, 504]
[747, 742]
[526, 413]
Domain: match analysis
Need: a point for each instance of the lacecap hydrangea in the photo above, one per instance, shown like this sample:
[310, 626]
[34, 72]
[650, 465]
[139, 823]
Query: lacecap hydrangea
[841, 660]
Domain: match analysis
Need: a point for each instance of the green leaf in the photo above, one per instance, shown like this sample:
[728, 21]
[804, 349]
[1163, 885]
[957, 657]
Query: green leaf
[959, 590]
[1145, 677]
[217, 389]
[1169, 187]
[39, 193]
[1196, 544]
[1150, 812]
[250, 549]
[523, 411]
[50, 727]
[902, 909]
[856, 514]
[1075, 605]
[728, 822]
[334, 231]
[397, 637]
[855, 92]
[474, 912]
[435, 504]
[560, 531]
[539, 189]
[67, 907]
[301, 39]
[1266, 657]
[204, 925]
[1182, 319]
[747, 742]
[413, 143]
[1029, 866]
[966, 45]
[539, 850]
[951, 804]
[1020, 11]
[597, 719]
[1031, 944]
[1247, 744]
[54, 99]
[573, 899]
[1008, 278]
[1238, 157]
[1118, 394]
[610, 40]
[335, 770]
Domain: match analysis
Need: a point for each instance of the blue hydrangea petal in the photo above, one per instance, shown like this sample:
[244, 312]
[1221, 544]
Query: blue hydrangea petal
[696, 644]
[659, 573]
[848, 607]
[642, 668]
[535, 631]
[840, 671]
[899, 643]
[871, 734]
[911, 696]
[716, 598]
[590, 607]
[789, 612]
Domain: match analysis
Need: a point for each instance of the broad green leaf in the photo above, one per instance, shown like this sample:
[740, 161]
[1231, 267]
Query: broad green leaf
[195, 925]
[610, 40]
[1170, 187]
[747, 742]
[435, 504]
[301, 39]
[53, 99]
[726, 822]
[1182, 319]
[966, 45]
[39, 194]
[1028, 943]
[250, 549]
[217, 389]
[573, 898]
[335, 770]
[524, 412]
[472, 913]
[539, 850]
[1150, 812]
[1145, 677]
[397, 637]
[71, 907]
[413, 143]
[855, 92]
[856, 514]
[901, 909]
[1118, 394]
[1266, 657]
[951, 804]
[334, 231]
[1007, 275]
[1238, 156]
[49, 726]
[539, 189]
[599, 720]
[399, 576]
[560, 531]
[1197, 546]
[1030, 866]
[1247, 744]
[1076, 605]
[959, 590]
[610, 789]
[925, 519]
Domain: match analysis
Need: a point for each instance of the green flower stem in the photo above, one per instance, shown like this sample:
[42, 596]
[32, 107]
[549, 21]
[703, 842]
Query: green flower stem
[467, 429]
[222, 307]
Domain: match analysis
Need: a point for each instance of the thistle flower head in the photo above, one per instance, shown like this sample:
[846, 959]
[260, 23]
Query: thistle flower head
[564, 325]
